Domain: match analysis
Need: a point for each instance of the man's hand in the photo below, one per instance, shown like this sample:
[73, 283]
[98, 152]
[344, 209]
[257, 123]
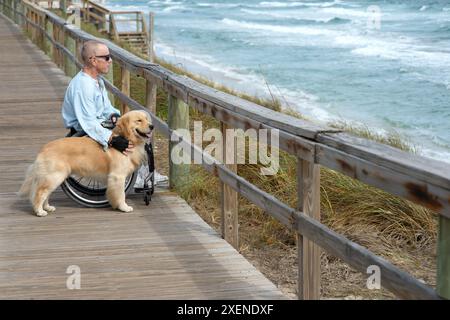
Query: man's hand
[121, 144]
[114, 117]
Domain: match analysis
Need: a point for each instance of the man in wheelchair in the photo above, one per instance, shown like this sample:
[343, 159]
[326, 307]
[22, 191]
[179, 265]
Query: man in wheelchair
[86, 104]
[87, 110]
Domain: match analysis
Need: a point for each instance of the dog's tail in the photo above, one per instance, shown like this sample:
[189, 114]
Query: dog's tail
[25, 189]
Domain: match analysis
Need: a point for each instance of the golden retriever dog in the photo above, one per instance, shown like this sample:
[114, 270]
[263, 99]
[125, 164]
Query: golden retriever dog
[85, 157]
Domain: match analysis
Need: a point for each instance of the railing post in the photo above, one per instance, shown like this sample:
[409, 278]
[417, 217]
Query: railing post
[63, 6]
[110, 77]
[58, 51]
[19, 9]
[54, 38]
[150, 99]
[178, 118]
[87, 12]
[78, 45]
[229, 197]
[47, 44]
[443, 263]
[61, 41]
[25, 18]
[40, 32]
[308, 175]
[125, 87]
[16, 19]
[69, 43]
[32, 28]
[35, 30]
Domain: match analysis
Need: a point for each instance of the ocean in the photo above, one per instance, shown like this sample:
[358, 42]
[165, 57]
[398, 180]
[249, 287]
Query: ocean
[384, 65]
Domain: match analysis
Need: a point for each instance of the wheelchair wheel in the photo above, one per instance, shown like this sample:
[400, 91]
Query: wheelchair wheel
[91, 193]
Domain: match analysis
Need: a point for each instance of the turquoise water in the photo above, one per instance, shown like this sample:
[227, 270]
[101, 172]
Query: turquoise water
[384, 64]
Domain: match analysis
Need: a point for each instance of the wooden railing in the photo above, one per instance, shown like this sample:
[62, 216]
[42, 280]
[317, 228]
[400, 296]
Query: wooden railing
[421, 180]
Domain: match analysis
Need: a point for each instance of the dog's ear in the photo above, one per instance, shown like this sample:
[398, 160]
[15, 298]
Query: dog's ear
[123, 128]
[119, 129]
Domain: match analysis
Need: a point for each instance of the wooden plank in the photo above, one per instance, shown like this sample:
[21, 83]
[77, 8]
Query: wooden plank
[308, 175]
[178, 118]
[125, 83]
[229, 197]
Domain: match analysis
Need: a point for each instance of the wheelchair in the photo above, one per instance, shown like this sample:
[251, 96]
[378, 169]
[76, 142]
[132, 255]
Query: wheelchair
[92, 194]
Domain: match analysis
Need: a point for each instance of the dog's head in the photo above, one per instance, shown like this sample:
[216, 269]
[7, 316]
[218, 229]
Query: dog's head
[134, 125]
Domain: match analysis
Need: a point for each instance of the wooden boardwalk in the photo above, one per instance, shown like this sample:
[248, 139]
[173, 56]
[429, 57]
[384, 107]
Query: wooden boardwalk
[163, 251]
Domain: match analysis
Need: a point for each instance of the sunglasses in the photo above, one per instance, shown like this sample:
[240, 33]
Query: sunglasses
[106, 57]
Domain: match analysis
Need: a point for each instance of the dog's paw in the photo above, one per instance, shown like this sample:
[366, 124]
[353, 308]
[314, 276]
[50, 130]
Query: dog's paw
[125, 208]
[50, 209]
[41, 213]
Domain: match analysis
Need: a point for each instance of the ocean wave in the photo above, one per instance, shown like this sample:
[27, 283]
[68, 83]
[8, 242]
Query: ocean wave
[219, 5]
[269, 4]
[164, 3]
[275, 4]
[174, 8]
[410, 55]
[444, 29]
[279, 29]
[347, 12]
[295, 17]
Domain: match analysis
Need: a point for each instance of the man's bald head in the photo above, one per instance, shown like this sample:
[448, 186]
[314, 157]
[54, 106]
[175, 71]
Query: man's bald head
[90, 49]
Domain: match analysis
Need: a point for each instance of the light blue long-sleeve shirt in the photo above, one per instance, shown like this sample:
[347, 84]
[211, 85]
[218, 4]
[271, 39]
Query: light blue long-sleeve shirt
[86, 105]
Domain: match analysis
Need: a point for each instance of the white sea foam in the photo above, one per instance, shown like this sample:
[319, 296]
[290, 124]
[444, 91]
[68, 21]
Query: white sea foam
[219, 5]
[290, 15]
[166, 2]
[174, 8]
[275, 4]
[309, 31]
[412, 55]
[123, 8]
[347, 12]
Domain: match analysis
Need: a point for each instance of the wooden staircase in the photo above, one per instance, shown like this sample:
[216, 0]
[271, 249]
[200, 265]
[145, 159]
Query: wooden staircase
[137, 40]
[134, 34]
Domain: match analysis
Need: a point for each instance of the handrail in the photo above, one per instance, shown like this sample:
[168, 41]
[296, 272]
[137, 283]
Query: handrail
[421, 180]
